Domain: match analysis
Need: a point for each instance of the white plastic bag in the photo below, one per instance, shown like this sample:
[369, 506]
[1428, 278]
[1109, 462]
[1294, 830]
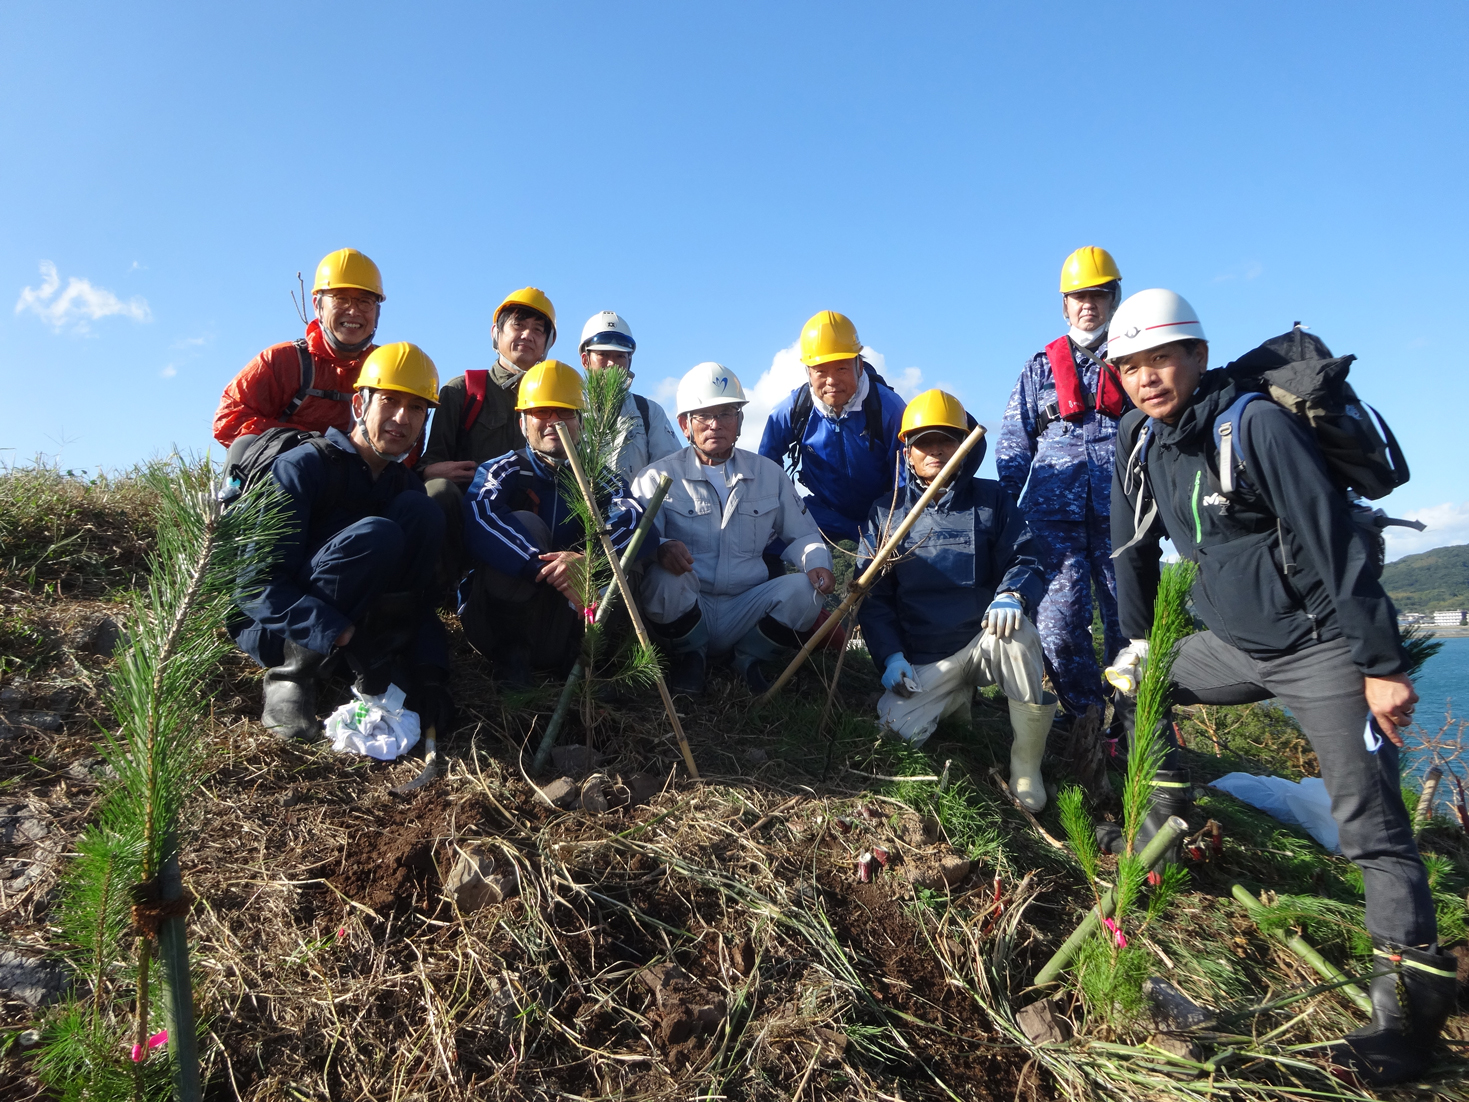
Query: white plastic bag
[1305, 805]
[378, 726]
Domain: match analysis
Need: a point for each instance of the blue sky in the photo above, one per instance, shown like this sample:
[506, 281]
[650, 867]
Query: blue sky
[717, 173]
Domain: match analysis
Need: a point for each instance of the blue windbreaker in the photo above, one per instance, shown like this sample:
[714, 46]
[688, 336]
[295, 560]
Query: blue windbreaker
[968, 545]
[840, 471]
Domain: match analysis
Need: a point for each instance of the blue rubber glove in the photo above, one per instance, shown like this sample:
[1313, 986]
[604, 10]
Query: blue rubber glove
[1004, 616]
[898, 668]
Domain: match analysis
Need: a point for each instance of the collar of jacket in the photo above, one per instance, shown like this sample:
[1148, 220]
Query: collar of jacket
[505, 375]
[316, 344]
[540, 467]
[1215, 393]
[832, 414]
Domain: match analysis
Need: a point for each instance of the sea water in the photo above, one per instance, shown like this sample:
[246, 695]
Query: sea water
[1443, 684]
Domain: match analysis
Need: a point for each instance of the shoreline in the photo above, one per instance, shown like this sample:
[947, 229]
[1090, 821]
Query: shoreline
[1445, 632]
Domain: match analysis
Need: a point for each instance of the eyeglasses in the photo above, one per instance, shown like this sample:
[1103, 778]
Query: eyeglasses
[362, 300]
[709, 420]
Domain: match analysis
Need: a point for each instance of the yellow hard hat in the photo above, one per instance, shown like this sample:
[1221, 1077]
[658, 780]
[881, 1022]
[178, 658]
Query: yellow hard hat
[829, 336]
[401, 366]
[933, 409]
[1088, 266]
[551, 383]
[348, 268]
[536, 299]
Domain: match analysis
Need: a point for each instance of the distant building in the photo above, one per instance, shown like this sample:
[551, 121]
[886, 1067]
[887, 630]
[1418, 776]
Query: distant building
[1453, 617]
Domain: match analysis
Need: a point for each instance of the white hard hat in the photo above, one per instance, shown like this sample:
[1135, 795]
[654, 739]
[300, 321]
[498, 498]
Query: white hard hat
[709, 384]
[1150, 318]
[607, 332]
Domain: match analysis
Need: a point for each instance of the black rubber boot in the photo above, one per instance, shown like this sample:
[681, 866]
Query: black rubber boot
[387, 629]
[686, 673]
[1171, 796]
[1413, 992]
[767, 641]
[430, 699]
[684, 641]
[290, 694]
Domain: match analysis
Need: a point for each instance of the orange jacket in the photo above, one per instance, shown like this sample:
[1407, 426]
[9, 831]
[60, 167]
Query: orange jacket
[256, 398]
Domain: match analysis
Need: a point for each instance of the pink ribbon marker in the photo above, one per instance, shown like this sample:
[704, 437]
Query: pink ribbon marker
[590, 612]
[1116, 933]
[139, 1051]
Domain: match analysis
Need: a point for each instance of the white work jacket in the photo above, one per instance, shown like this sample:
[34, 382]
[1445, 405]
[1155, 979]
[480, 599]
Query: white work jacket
[762, 505]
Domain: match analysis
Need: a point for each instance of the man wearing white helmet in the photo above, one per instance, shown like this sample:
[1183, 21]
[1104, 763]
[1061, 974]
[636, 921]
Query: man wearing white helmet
[1295, 611]
[607, 342]
[710, 593]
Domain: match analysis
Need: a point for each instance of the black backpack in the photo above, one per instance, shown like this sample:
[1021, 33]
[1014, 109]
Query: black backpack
[254, 461]
[801, 417]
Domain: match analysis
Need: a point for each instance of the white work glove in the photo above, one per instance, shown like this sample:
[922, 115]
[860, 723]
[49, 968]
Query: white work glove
[1126, 670]
[1004, 615]
[900, 677]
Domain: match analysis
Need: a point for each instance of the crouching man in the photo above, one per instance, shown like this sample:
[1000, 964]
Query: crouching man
[521, 605]
[710, 594]
[361, 541]
[1294, 612]
[951, 612]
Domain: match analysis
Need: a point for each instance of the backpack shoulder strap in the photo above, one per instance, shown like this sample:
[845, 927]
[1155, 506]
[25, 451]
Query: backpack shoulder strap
[1230, 442]
[644, 413]
[308, 376]
[872, 413]
[800, 417]
[476, 386]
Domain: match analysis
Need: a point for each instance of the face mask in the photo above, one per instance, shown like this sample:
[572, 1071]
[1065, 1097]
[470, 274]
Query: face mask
[1092, 339]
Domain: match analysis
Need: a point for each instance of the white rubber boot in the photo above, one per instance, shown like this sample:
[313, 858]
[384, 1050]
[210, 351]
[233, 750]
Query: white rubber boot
[1031, 723]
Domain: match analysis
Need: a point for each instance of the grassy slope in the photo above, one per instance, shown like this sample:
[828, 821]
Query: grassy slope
[303, 986]
[1432, 580]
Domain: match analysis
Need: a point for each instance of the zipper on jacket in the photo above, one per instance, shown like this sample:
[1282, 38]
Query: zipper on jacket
[1198, 524]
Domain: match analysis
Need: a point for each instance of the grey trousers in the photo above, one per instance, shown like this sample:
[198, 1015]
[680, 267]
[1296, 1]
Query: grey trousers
[1324, 691]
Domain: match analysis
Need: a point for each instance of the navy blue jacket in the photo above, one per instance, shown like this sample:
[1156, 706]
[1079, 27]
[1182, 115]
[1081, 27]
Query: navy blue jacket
[522, 481]
[322, 496]
[968, 545]
[1066, 470]
[840, 470]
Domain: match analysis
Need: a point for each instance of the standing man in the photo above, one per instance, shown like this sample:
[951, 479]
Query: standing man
[476, 419]
[838, 432]
[521, 604]
[1056, 445]
[606, 341]
[709, 593]
[1295, 611]
[354, 573]
[952, 612]
[307, 384]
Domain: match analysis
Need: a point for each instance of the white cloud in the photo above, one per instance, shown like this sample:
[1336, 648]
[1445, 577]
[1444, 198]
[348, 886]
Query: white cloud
[786, 372]
[168, 372]
[79, 304]
[1448, 524]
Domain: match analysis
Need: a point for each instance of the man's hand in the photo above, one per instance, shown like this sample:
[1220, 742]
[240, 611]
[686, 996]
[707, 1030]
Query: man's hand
[346, 636]
[1391, 701]
[1005, 615]
[899, 677]
[674, 557]
[822, 578]
[460, 472]
[563, 570]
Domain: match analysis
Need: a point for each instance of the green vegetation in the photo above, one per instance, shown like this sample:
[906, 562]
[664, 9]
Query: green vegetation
[1432, 580]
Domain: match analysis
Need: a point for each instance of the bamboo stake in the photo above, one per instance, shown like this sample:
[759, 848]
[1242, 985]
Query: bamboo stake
[1299, 946]
[632, 606]
[1169, 833]
[1424, 811]
[173, 955]
[858, 589]
[563, 705]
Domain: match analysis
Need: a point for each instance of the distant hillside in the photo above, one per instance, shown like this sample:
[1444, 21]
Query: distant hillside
[1429, 581]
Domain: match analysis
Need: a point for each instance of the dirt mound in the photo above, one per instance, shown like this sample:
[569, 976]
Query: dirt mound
[399, 863]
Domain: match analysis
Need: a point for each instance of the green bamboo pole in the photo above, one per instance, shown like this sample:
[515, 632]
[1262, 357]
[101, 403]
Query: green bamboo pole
[563, 705]
[173, 955]
[1152, 853]
[1298, 945]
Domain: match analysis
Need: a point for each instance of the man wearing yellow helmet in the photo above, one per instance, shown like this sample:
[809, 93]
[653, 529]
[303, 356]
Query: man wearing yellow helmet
[838, 431]
[477, 420]
[307, 384]
[1055, 457]
[361, 543]
[951, 613]
[521, 603]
